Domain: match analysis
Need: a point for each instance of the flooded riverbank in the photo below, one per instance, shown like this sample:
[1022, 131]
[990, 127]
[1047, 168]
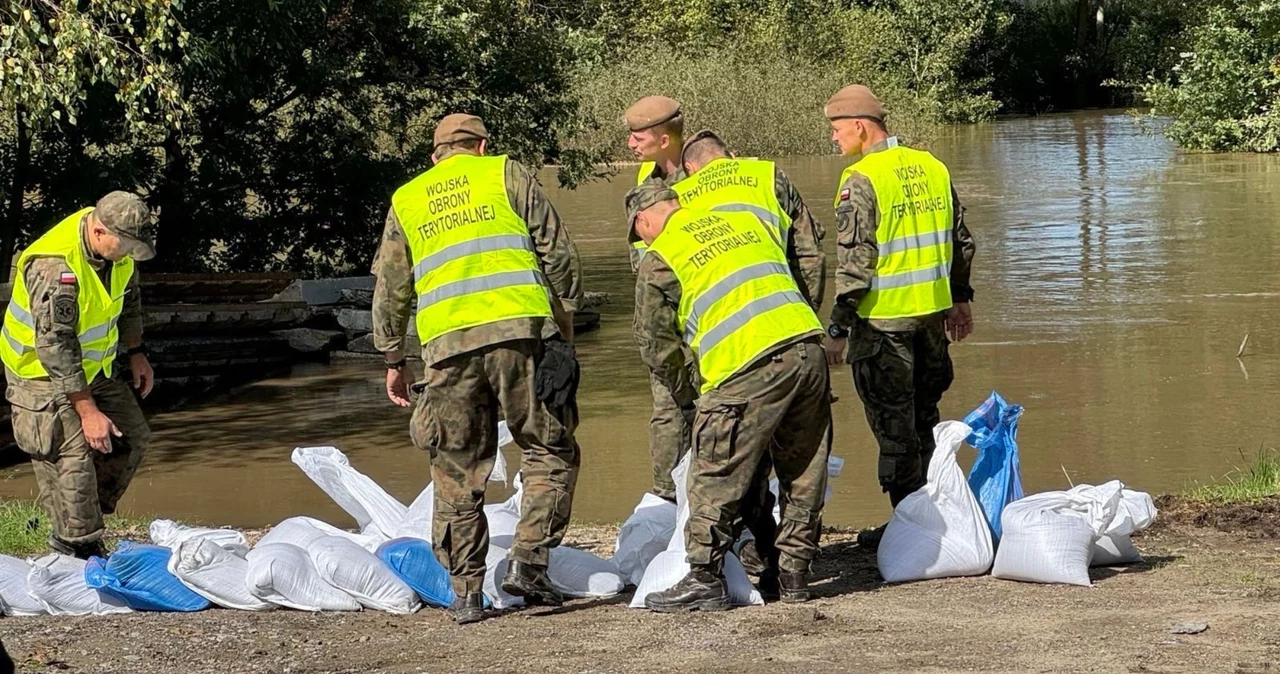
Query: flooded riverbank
[1115, 278]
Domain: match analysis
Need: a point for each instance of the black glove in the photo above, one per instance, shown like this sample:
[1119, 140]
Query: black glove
[556, 379]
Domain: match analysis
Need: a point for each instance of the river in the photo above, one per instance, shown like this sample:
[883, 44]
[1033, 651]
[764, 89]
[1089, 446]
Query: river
[1116, 278]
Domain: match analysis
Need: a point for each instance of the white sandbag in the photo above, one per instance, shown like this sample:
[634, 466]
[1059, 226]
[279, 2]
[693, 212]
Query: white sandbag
[1135, 512]
[359, 573]
[215, 573]
[57, 582]
[835, 465]
[417, 522]
[669, 567]
[939, 530]
[680, 476]
[646, 533]
[352, 490]
[170, 534]
[578, 573]
[1048, 537]
[15, 595]
[495, 568]
[284, 574]
[301, 531]
[505, 438]
[504, 517]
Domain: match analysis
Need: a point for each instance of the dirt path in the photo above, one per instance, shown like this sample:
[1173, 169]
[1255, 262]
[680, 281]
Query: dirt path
[1122, 624]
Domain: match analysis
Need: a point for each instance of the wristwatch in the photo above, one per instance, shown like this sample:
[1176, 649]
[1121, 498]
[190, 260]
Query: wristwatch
[141, 348]
[398, 364]
[835, 331]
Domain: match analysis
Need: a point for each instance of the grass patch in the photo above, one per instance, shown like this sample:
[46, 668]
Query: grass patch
[1250, 483]
[24, 528]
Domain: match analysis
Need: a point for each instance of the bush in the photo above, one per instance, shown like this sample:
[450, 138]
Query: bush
[1224, 94]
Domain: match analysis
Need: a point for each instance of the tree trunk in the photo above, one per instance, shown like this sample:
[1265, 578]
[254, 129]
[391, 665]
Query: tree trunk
[1085, 18]
[17, 194]
[173, 245]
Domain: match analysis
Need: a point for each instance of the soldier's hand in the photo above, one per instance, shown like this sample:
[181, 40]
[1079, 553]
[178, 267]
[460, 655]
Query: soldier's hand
[98, 430]
[835, 349]
[959, 321]
[397, 389]
[144, 378]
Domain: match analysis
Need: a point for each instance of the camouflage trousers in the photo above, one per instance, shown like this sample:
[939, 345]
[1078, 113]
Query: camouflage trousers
[456, 421]
[777, 409]
[901, 377]
[78, 484]
[669, 438]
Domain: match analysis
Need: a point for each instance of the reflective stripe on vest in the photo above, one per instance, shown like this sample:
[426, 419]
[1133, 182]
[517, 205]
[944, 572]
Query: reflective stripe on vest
[738, 298]
[99, 306]
[742, 185]
[914, 234]
[474, 261]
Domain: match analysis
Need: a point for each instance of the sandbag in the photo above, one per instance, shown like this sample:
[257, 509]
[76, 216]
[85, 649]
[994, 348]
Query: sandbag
[835, 465]
[57, 582]
[1048, 537]
[1134, 512]
[996, 476]
[415, 563]
[170, 534]
[939, 530]
[578, 573]
[15, 597]
[281, 573]
[301, 531]
[504, 517]
[417, 521]
[359, 573]
[215, 573]
[646, 533]
[352, 490]
[138, 576]
[495, 568]
[669, 567]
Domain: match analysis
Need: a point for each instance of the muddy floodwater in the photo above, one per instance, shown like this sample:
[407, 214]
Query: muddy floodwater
[1116, 278]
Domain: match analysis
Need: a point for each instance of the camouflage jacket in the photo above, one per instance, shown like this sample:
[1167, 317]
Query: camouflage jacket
[662, 347]
[393, 291]
[857, 218]
[56, 309]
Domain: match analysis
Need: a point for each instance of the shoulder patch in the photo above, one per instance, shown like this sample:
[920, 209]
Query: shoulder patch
[65, 310]
[67, 277]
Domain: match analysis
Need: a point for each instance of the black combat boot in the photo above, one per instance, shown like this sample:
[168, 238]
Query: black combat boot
[768, 585]
[79, 551]
[794, 587]
[531, 582]
[870, 538]
[468, 609]
[700, 590]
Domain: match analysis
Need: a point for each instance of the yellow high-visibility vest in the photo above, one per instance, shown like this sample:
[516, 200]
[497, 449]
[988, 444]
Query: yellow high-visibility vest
[738, 298]
[100, 307]
[913, 268]
[646, 170]
[474, 260]
[728, 184]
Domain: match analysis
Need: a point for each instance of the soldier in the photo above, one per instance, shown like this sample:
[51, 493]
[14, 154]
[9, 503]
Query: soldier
[497, 280]
[720, 181]
[902, 286]
[656, 126]
[719, 283]
[75, 307]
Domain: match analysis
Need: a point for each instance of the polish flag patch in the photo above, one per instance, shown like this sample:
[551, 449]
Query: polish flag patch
[67, 277]
[844, 194]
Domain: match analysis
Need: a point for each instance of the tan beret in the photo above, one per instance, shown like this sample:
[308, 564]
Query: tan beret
[854, 100]
[644, 195]
[456, 127]
[651, 111]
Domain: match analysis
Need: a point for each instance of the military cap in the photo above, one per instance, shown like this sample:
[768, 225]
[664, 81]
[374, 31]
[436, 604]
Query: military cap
[651, 111]
[854, 101]
[644, 195]
[127, 216]
[456, 127]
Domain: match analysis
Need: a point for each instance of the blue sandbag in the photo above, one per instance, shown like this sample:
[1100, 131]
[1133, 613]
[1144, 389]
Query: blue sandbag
[414, 562]
[138, 575]
[996, 478]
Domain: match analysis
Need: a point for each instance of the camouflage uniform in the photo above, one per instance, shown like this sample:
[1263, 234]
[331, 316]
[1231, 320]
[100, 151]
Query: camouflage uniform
[901, 366]
[473, 376]
[669, 434]
[78, 484]
[777, 407]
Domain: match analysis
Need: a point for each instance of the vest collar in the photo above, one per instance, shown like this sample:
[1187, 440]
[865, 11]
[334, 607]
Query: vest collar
[887, 143]
[450, 154]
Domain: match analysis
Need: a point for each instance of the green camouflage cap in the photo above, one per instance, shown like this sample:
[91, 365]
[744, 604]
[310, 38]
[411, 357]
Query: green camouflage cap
[644, 195]
[127, 216]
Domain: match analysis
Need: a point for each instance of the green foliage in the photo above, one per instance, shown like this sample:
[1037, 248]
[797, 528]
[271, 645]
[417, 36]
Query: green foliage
[1224, 93]
[1249, 484]
[24, 528]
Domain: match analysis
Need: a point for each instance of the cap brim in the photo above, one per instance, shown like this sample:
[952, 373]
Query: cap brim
[137, 249]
